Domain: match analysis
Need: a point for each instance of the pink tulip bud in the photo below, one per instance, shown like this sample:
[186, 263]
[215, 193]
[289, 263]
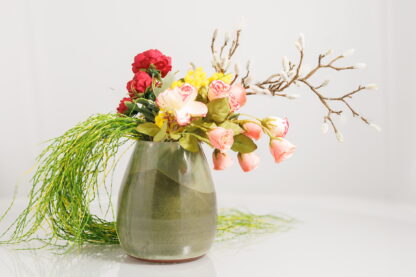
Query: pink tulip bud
[221, 138]
[281, 149]
[221, 160]
[277, 126]
[252, 130]
[248, 161]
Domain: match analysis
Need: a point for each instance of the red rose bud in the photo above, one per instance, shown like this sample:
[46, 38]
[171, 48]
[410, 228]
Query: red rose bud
[141, 81]
[122, 108]
[156, 58]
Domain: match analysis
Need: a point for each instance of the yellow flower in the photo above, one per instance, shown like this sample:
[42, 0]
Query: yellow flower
[226, 78]
[197, 78]
[177, 83]
[160, 118]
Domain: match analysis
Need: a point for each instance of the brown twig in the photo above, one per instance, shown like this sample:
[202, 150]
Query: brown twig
[276, 83]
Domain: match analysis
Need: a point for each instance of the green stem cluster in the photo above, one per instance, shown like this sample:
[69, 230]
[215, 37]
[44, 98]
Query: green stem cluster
[69, 175]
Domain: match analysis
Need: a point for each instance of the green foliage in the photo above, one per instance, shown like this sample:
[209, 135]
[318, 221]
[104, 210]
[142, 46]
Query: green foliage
[232, 126]
[243, 144]
[234, 224]
[73, 167]
[148, 128]
[67, 179]
[189, 142]
[202, 95]
[161, 135]
[218, 110]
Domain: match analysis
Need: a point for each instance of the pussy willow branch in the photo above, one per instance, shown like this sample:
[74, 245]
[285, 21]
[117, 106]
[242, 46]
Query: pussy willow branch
[276, 83]
[220, 60]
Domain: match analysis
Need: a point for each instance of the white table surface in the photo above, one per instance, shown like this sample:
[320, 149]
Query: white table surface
[335, 237]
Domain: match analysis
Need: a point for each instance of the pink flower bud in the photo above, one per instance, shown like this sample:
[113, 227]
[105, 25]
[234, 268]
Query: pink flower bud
[237, 97]
[252, 130]
[221, 138]
[221, 160]
[277, 126]
[281, 149]
[248, 161]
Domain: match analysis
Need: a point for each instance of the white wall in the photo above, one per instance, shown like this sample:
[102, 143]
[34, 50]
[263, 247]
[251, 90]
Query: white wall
[61, 61]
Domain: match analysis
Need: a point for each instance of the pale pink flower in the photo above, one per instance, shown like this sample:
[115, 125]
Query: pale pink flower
[281, 149]
[181, 102]
[221, 138]
[278, 126]
[252, 130]
[221, 160]
[218, 89]
[248, 161]
[237, 97]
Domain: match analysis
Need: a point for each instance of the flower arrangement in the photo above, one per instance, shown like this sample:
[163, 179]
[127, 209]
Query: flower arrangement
[193, 109]
[198, 108]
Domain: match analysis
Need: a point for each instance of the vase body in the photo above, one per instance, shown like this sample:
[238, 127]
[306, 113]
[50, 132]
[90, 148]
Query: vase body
[167, 204]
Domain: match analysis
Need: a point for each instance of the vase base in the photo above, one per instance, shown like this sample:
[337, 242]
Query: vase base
[174, 261]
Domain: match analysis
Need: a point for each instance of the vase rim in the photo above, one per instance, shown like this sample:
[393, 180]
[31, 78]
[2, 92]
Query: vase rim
[158, 142]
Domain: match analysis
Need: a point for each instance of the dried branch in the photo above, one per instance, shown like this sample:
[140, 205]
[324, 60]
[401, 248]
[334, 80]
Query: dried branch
[291, 74]
[220, 60]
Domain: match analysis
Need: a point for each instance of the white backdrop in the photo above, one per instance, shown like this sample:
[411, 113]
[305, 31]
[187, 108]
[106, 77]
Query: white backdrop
[61, 61]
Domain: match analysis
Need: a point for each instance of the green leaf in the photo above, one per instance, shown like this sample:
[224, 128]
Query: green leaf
[243, 144]
[218, 109]
[148, 128]
[175, 136]
[161, 135]
[202, 95]
[189, 142]
[202, 124]
[232, 126]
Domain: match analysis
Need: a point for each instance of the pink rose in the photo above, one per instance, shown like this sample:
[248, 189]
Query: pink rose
[221, 160]
[281, 149]
[277, 126]
[218, 89]
[237, 97]
[221, 138]
[248, 161]
[252, 130]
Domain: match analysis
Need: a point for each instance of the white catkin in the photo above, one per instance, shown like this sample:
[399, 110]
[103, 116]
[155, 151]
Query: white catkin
[292, 96]
[339, 136]
[375, 126]
[301, 40]
[236, 69]
[329, 52]
[248, 79]
[284, 76]
[226, 37]
[371, 86]
[360, 65]
[298, 46]
[285, 63]
[214, 36]
[324, 84]
[259, 90]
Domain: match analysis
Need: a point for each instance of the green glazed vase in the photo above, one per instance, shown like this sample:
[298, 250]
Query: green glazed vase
[167, 208]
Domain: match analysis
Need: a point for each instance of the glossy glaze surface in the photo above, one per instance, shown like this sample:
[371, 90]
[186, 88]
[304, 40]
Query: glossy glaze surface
[167, 204]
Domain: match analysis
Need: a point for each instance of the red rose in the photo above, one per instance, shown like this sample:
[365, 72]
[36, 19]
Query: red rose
[122, 108]
[144, 60]
[141, 81]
